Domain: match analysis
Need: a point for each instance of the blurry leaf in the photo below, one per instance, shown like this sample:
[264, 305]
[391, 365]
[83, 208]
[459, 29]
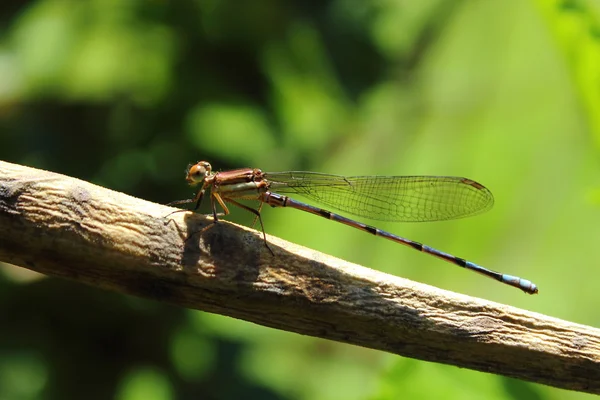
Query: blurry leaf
[124, 170]
[327, 370]
[412, 379]
[84, 50]
[398, 24]
[233, 329]
[192, 355]
[112, 61]
[518, 389]
[575, 25]
[306, 93]
[22, 375]
[43, 40]
[145, 384]
[236, 132]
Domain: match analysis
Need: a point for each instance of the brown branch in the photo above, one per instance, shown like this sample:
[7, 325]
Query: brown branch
[65, 227]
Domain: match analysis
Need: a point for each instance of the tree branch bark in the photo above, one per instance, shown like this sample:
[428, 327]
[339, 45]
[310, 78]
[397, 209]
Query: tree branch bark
[65, 227]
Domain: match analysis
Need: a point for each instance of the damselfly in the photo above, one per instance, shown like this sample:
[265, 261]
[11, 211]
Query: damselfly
[385, 198]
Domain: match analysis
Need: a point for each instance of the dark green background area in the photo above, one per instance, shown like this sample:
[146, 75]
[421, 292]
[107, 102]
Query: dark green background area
[126, 93]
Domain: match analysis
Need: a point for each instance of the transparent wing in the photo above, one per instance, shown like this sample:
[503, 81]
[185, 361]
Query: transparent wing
[388, 198]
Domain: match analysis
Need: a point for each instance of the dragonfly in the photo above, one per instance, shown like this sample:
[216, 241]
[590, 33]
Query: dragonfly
[384, 198]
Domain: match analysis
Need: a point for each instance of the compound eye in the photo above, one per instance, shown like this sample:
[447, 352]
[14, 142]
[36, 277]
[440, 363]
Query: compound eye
[205, 167]
[198, 170]
[196, 174]
[194, 171]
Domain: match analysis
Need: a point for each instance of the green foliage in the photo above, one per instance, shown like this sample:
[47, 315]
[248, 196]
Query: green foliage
[575, 25]
[145, 384]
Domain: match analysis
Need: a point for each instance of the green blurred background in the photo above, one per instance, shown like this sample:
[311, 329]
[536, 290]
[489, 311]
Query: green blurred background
[126, 93]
